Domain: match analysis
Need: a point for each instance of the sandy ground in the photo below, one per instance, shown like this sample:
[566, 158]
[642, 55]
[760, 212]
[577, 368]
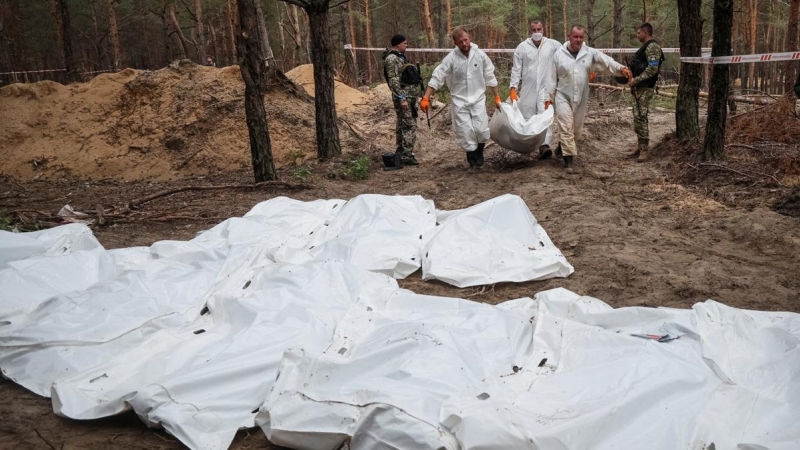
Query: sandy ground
[634, 236]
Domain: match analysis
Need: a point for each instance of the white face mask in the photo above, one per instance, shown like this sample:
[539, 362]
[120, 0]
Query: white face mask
[537, 36]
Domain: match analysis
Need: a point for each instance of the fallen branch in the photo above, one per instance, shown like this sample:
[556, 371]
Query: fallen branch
[749, 147]
[440, 111]
[138, 202]
[356, 133]
[744, 174]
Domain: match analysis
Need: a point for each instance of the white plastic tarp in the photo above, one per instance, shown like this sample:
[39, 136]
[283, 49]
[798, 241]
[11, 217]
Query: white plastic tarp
[390, 365]
[732, 379]
[192, 335]
[509, 128]
[495, 241]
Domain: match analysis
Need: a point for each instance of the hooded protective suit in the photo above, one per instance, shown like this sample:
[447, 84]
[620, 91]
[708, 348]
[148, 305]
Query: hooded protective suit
[569, 82]
[467, 77]
[529, 76]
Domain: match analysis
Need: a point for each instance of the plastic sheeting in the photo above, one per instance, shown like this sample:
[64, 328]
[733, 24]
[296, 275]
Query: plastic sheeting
[579, 380]
[273, 320]
[494, 241]
[511, 130]
[189, 334]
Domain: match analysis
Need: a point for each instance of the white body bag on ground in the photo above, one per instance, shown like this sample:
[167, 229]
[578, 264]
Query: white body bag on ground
[509, 128]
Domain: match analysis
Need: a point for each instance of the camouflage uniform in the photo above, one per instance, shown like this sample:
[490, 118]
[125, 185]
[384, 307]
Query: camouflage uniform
[645, 93]
[406, 129]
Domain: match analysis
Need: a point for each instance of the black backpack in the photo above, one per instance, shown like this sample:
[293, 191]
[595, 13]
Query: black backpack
[410, 75]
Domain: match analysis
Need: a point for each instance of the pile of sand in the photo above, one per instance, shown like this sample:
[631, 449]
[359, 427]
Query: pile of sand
[346, 97]
[179, 121]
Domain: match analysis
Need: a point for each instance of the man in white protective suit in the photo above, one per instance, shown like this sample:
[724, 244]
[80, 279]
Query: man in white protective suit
[467, 72]
[533, 59]
[568, 85]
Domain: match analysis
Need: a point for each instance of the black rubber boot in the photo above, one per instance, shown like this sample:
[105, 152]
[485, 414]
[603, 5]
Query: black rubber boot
[471, 160]
[559, 152]
[545, 152]
[409, 160]
[479, 155]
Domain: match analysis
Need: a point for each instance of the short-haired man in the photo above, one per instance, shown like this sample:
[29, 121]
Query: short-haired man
[467, 72]
[533, 59]
[645, 65]
[568, 85]
[405, 93]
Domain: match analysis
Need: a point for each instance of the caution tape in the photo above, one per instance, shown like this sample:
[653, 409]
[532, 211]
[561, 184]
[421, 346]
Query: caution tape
[32, 71]
[741, 59]
[737, 59]
[509, 50]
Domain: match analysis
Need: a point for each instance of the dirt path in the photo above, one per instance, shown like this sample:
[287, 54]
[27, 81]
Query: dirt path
[634, 238]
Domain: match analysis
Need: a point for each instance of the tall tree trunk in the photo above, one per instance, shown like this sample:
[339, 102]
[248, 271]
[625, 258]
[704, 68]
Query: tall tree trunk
[791, 44]
[714, 145]
[564, 11]
[66, 33]
[269, 57]
[368, 38]
[752, 9]
[55, 10]
[590, 22]
[426, 20]
[176, 27]
[142, 12]
[550, 18]
[214, 47]
[113, 30]
[349, 55]
[449, 11]
[202, 52]
[617, 23]
[254, 73]
[232, 21]
[298, 40]
[327, 129]
[166, 27]
[690, 39]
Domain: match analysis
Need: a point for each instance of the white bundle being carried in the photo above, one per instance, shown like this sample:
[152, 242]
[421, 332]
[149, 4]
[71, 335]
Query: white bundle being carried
[509, 128]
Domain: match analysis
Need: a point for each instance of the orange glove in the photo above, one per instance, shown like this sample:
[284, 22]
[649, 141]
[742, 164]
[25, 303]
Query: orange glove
[425, 104]
[497, 101]
[627, 72]
[591, 76]
[547, 104]
[513, 95]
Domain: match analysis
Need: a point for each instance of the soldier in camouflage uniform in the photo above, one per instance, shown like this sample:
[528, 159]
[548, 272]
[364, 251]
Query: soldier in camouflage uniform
[396, 70]
[645, 66]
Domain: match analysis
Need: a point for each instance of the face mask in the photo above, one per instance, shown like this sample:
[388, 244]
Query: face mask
[537, 36]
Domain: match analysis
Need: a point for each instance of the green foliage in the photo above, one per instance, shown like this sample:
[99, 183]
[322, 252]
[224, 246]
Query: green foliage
[302, 174]
[358, 169]
[8, 223]
[295, 156]
[443, 94]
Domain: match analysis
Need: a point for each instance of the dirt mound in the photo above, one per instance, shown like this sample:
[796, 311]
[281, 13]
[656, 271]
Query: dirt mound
[179, 121]
[347, 98]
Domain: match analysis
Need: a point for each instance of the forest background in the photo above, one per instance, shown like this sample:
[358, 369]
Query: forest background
[109, 35]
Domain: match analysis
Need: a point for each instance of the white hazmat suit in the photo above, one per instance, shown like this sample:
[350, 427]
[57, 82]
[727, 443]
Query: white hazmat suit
[467, 77]
[529, 75]
[569, 82]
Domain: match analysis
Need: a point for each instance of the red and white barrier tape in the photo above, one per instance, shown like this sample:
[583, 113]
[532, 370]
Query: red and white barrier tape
[736, 59]
[740, 59]
[509, 50]
[32, 71]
